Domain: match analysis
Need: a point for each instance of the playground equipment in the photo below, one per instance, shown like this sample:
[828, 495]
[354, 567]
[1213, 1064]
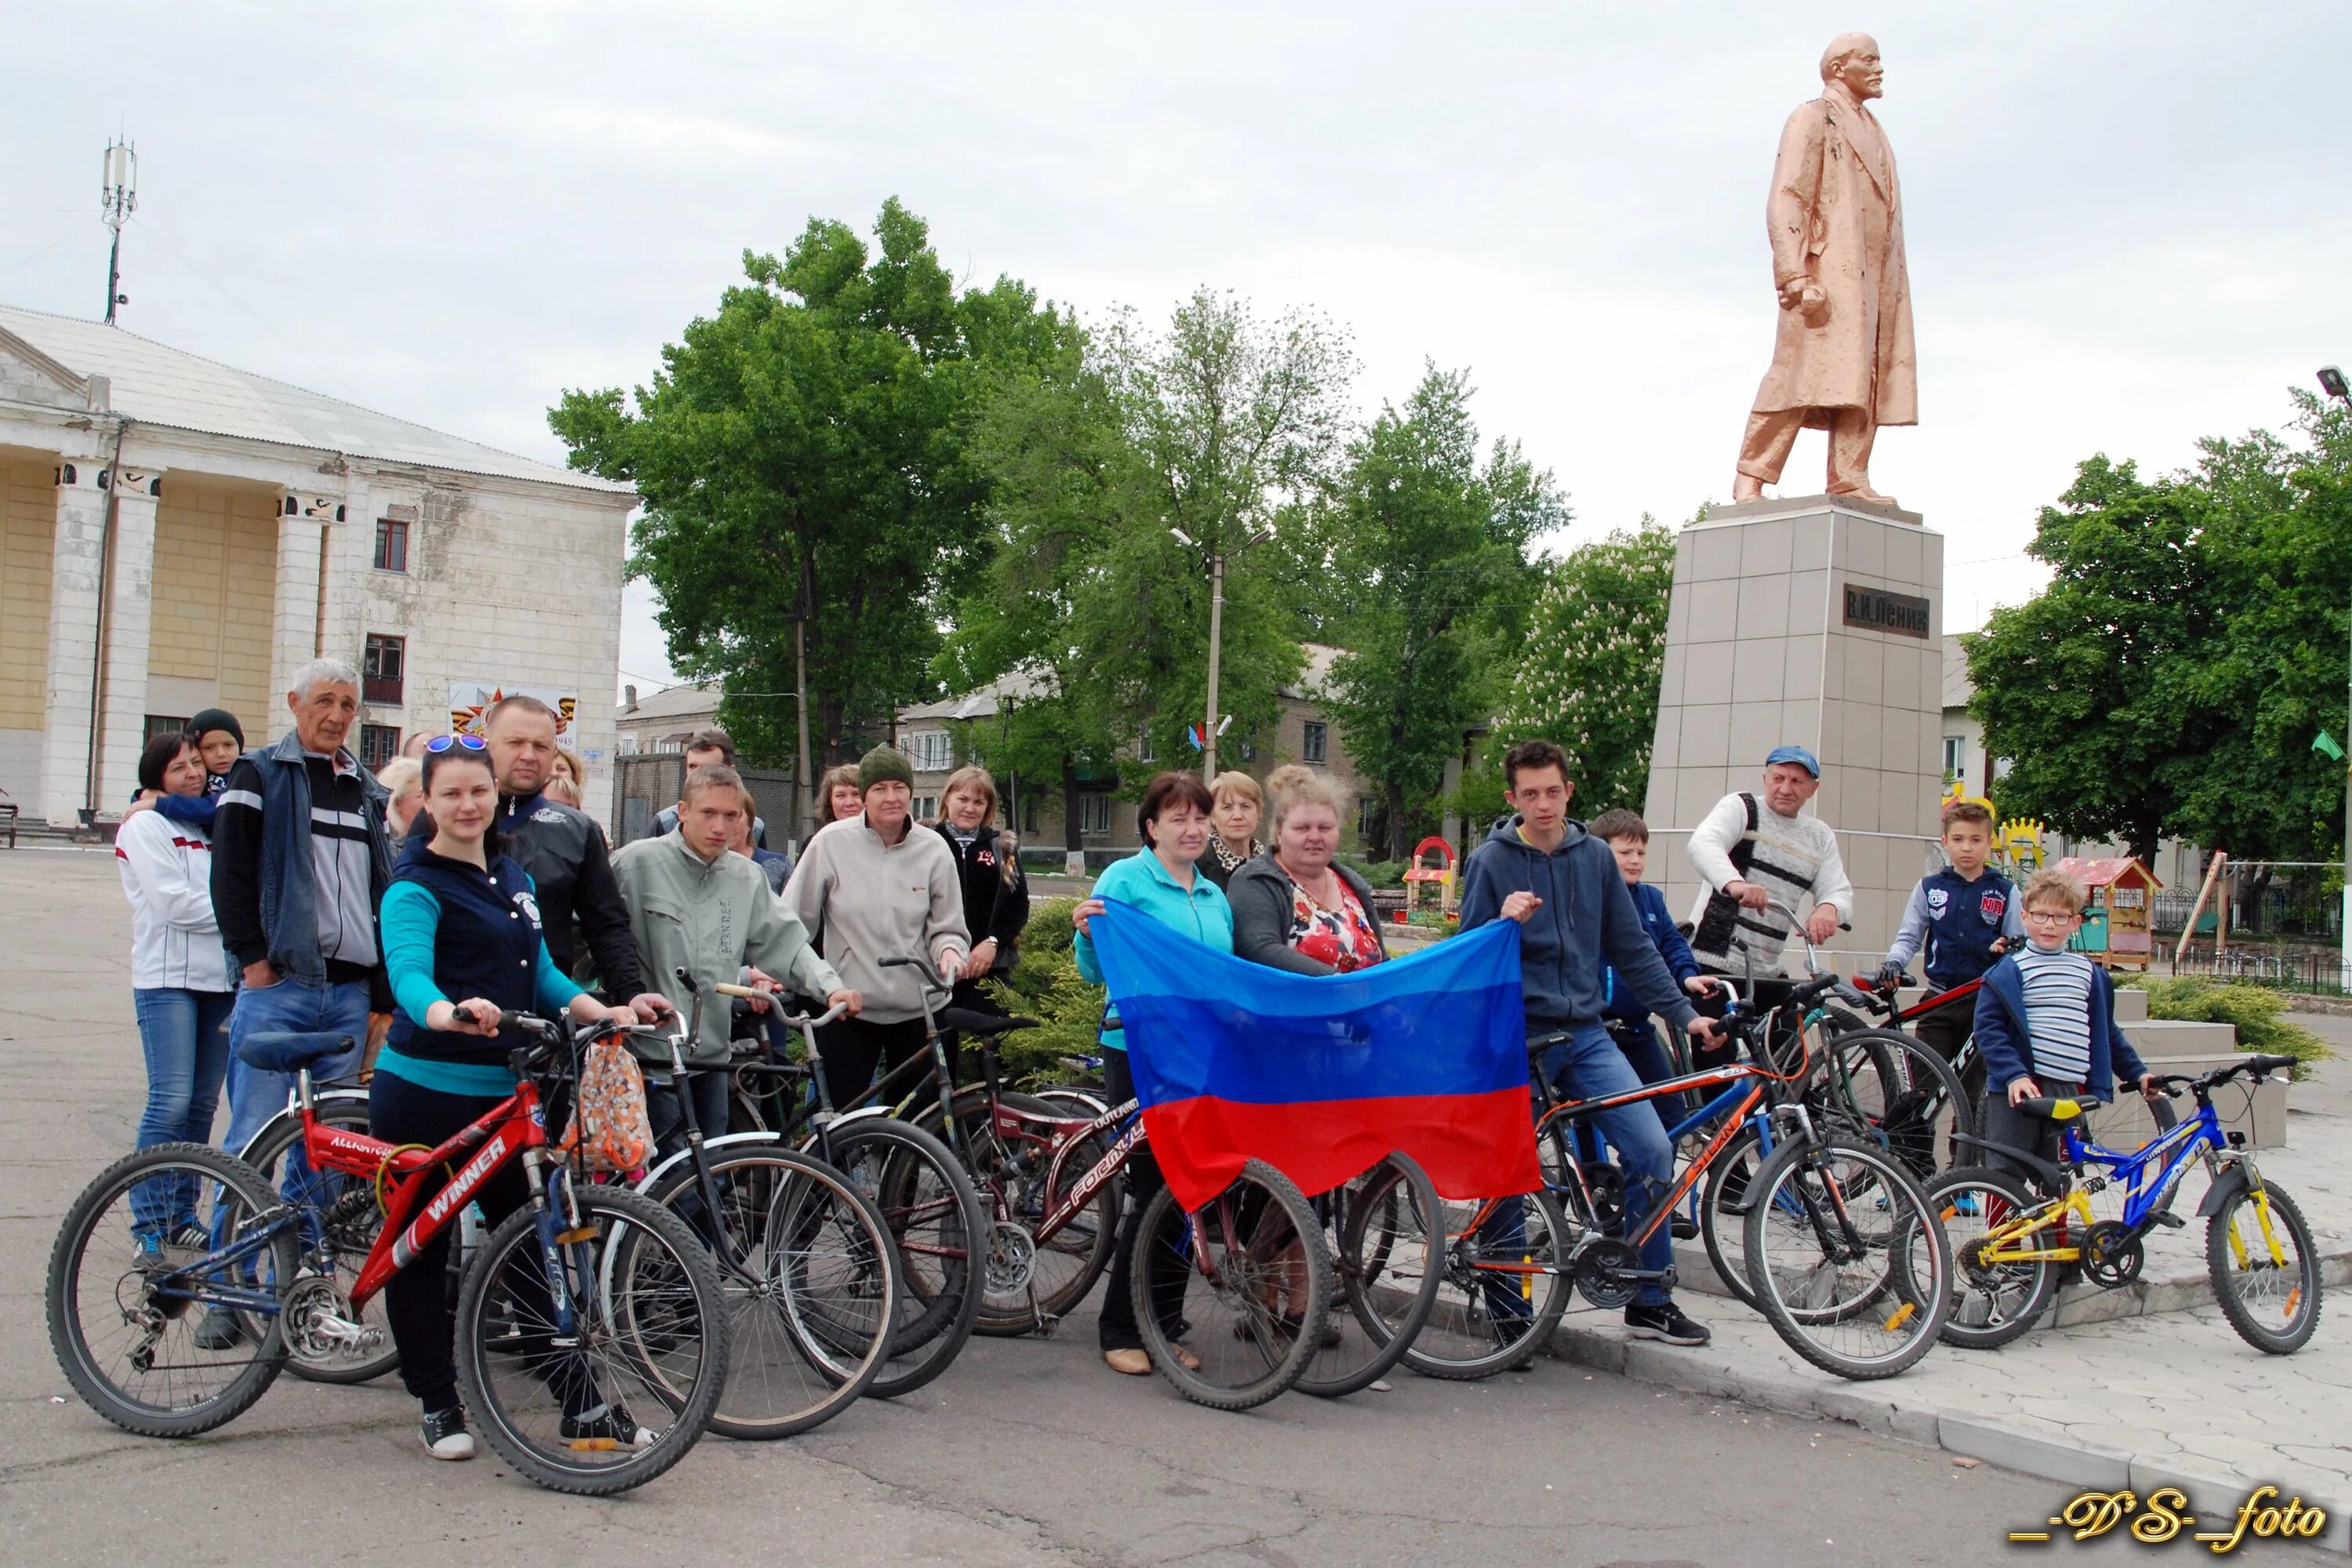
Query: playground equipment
[2118, 928]
[2018, 847]
[1439, 876]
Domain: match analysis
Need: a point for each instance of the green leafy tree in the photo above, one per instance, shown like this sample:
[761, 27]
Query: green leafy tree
[801, 455]
[1433, 546]
[1587, 677]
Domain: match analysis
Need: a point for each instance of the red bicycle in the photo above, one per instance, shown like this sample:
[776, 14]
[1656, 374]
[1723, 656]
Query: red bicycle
[580, 1316]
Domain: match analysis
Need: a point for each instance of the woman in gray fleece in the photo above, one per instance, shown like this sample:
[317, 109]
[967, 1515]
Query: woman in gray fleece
[1296, 908]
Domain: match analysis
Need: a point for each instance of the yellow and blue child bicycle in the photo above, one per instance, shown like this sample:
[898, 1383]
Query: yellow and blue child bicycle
[2012, 1238]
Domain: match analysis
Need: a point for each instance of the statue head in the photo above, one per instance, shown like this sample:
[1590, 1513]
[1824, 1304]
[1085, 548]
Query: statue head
[1852, 59]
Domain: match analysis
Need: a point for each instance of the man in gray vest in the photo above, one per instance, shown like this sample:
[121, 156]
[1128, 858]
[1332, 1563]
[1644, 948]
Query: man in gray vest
[1756, 849]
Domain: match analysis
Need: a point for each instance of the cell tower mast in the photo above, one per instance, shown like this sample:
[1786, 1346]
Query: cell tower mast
[118, 198]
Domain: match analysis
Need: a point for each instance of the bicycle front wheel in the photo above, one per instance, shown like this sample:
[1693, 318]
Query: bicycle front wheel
[807, 1267]
[1995, 1298]
[136, 1315]
[1506, 1282]
[340, 1223]
[940, 1232]
[1388, 1249]
[1860, 1288]
[1245, 1283]
[1887, 1087]
[609, 1390]
[2264, 1269]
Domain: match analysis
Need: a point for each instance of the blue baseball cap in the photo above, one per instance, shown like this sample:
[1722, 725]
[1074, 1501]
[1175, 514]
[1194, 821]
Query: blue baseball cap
[1797, 754]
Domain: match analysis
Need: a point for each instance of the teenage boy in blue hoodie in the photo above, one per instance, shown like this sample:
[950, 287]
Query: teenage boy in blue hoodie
[1544, 871]
[2047, 1025]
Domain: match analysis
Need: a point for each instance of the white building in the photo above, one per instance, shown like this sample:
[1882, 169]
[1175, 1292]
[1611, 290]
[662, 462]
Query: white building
[219, 529]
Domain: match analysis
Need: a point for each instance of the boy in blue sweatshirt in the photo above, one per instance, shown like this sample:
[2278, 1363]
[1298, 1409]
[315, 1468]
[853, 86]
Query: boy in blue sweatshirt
[1542, 870]
[1963, 918]
[1628, 837]
[2047, 1025]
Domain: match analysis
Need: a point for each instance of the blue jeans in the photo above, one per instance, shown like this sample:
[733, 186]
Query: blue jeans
[1591, 1066]
[184, 1035]
[255, 1096]
[1643, 1047]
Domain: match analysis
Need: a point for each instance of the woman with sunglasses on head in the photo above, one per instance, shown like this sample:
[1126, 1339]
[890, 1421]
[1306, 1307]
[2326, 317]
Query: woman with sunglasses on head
[462, 944]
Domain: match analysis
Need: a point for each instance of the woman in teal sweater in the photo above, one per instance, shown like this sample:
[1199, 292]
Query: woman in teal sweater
[460, 919]
[1163, 881]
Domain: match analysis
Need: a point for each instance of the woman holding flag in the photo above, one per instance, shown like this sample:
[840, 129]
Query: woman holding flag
[1162, 881]
[1296, 908]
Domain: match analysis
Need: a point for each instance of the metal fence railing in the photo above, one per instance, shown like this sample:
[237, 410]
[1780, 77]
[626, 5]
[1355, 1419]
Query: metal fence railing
[2286, 967]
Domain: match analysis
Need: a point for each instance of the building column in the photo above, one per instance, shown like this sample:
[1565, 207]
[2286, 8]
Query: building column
[303, 519]
[73, 632]
[130, 621]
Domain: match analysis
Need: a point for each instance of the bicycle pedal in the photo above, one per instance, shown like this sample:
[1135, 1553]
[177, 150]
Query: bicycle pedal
[2166, 1218]
[592, 1445]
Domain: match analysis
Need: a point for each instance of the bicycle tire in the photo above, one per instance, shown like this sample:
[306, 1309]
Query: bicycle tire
[940, 1232]
[626, 1226]
[338, 1241]
[1722, 1213]
[1465, 1339]
[1928, 1102]
[1014, 1196]
[2223, 1235]
[1384, 1274]
[810, 1295]
[1992, 1303]
[86, 1367]
[1839, 1182]
[1250, 1232]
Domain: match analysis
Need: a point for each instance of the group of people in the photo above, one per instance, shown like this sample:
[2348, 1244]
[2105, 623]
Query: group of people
[283, 888]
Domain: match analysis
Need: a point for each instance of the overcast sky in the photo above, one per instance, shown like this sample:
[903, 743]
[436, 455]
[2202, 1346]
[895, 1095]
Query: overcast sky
[2127, 222]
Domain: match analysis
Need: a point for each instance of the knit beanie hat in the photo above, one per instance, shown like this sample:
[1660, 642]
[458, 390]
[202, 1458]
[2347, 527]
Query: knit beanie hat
[212, 718]
[881, 764]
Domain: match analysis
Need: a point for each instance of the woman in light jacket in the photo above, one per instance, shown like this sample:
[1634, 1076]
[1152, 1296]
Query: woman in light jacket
[180, 980]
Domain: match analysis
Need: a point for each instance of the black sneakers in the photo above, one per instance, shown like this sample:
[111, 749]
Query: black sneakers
[445, 1433]
[1664, 1321]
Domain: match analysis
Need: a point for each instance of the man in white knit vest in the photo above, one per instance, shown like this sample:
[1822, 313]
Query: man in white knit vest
[1754, 851]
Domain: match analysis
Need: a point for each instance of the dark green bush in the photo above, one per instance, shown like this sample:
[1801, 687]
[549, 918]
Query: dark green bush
[1045, 986]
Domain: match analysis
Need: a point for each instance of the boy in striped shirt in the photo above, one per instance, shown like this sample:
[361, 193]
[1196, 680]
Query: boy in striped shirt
[2046, 1024]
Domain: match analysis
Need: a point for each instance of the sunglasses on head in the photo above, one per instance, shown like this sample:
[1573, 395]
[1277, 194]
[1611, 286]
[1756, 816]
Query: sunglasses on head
[443, 742]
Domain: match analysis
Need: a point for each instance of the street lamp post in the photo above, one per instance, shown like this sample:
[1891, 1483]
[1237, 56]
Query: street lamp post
[2332, 382]
[1216, 562]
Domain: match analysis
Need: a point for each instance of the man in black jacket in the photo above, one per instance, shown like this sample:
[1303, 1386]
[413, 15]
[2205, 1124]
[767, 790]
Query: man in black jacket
[563, 850]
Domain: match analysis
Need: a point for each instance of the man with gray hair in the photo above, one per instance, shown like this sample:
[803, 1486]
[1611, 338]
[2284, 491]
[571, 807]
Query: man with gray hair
[300, 858]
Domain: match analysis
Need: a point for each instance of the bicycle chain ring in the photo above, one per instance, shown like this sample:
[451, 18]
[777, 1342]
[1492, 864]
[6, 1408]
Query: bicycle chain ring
[1012, 1258]
[1601, 1269]
[317, 1322]
[2112, 1255]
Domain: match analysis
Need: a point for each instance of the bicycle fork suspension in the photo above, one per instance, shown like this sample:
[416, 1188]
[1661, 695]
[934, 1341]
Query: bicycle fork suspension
[557, 1220]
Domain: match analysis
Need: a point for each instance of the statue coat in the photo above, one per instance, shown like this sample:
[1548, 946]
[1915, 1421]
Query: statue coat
[1836, 219]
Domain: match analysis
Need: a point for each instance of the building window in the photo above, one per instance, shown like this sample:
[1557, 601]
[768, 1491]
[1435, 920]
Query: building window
[628, 743]
[159, 724]
[927, 808]
[931, 751]
[1093, 815]
[1143, 751]
[1316, 744]
[391, 544]
[386, 663]
[1956, 757]
[1029, 813]
[379, 744]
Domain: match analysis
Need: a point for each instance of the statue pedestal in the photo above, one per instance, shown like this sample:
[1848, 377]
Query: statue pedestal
[1816, 620]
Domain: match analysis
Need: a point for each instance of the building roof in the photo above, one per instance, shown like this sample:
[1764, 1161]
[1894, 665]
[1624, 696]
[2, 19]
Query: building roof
[156, 385]
[1957, 689]
[2102, 872]
[671, 703]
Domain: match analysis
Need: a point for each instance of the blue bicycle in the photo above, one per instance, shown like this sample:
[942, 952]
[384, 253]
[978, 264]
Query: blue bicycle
[2012, 1238]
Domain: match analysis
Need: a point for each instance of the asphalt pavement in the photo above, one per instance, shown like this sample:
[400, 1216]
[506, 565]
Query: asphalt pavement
[1027, 1451]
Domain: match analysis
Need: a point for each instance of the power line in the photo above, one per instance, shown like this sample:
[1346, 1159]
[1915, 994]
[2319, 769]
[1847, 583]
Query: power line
[150, 229]
[78, 231]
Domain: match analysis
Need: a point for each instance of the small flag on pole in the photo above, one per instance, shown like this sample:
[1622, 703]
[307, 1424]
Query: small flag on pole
[2325, 744]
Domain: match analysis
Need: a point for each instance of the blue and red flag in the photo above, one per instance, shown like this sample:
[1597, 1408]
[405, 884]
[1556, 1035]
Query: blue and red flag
[1322, 1076]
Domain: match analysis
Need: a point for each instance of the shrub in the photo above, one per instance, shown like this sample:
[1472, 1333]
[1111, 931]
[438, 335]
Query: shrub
[1045, 986]
[2255, 1011]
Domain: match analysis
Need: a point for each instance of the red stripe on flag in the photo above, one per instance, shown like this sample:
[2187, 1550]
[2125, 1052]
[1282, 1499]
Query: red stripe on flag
[1471, 1145]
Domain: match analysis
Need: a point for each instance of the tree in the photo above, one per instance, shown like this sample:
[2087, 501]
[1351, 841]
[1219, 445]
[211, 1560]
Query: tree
[1434, 550]
[801, 454]
[1588, 676]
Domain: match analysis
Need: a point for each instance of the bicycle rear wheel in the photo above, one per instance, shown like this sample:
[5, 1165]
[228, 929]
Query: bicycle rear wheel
[940, 1231]
[1861, 1287]
[1885, 1087]
[1993, 1301]
[805, 1264]
[1506, 1284]
[1722, 1211]
[128, 1307]
[1029, 1284]
[339, 1229]
[1388, 1249]
[2264, 1269]
[1245, 1281]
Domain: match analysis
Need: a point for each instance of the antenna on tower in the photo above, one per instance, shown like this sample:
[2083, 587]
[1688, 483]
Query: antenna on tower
[118, 198]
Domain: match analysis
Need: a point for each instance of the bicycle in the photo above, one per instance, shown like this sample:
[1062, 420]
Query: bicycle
[918, 1193]
[584, 1301]
[2015, 1240]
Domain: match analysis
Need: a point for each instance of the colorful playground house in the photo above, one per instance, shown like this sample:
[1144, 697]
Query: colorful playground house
[2119, 924]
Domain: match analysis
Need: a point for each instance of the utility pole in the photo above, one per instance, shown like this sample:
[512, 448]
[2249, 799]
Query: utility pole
[2332, 382]
[1215, 560]
[118, 198]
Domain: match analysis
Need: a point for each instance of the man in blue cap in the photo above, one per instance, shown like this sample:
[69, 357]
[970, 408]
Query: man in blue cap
[1754, 851]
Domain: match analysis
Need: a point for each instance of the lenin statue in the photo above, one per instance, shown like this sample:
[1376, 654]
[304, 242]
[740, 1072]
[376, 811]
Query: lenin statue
[1841, 361]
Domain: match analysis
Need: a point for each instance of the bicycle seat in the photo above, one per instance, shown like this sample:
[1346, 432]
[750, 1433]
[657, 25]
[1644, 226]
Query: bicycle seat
[286, 1052]
[964, 1020]
[2051, 1108]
